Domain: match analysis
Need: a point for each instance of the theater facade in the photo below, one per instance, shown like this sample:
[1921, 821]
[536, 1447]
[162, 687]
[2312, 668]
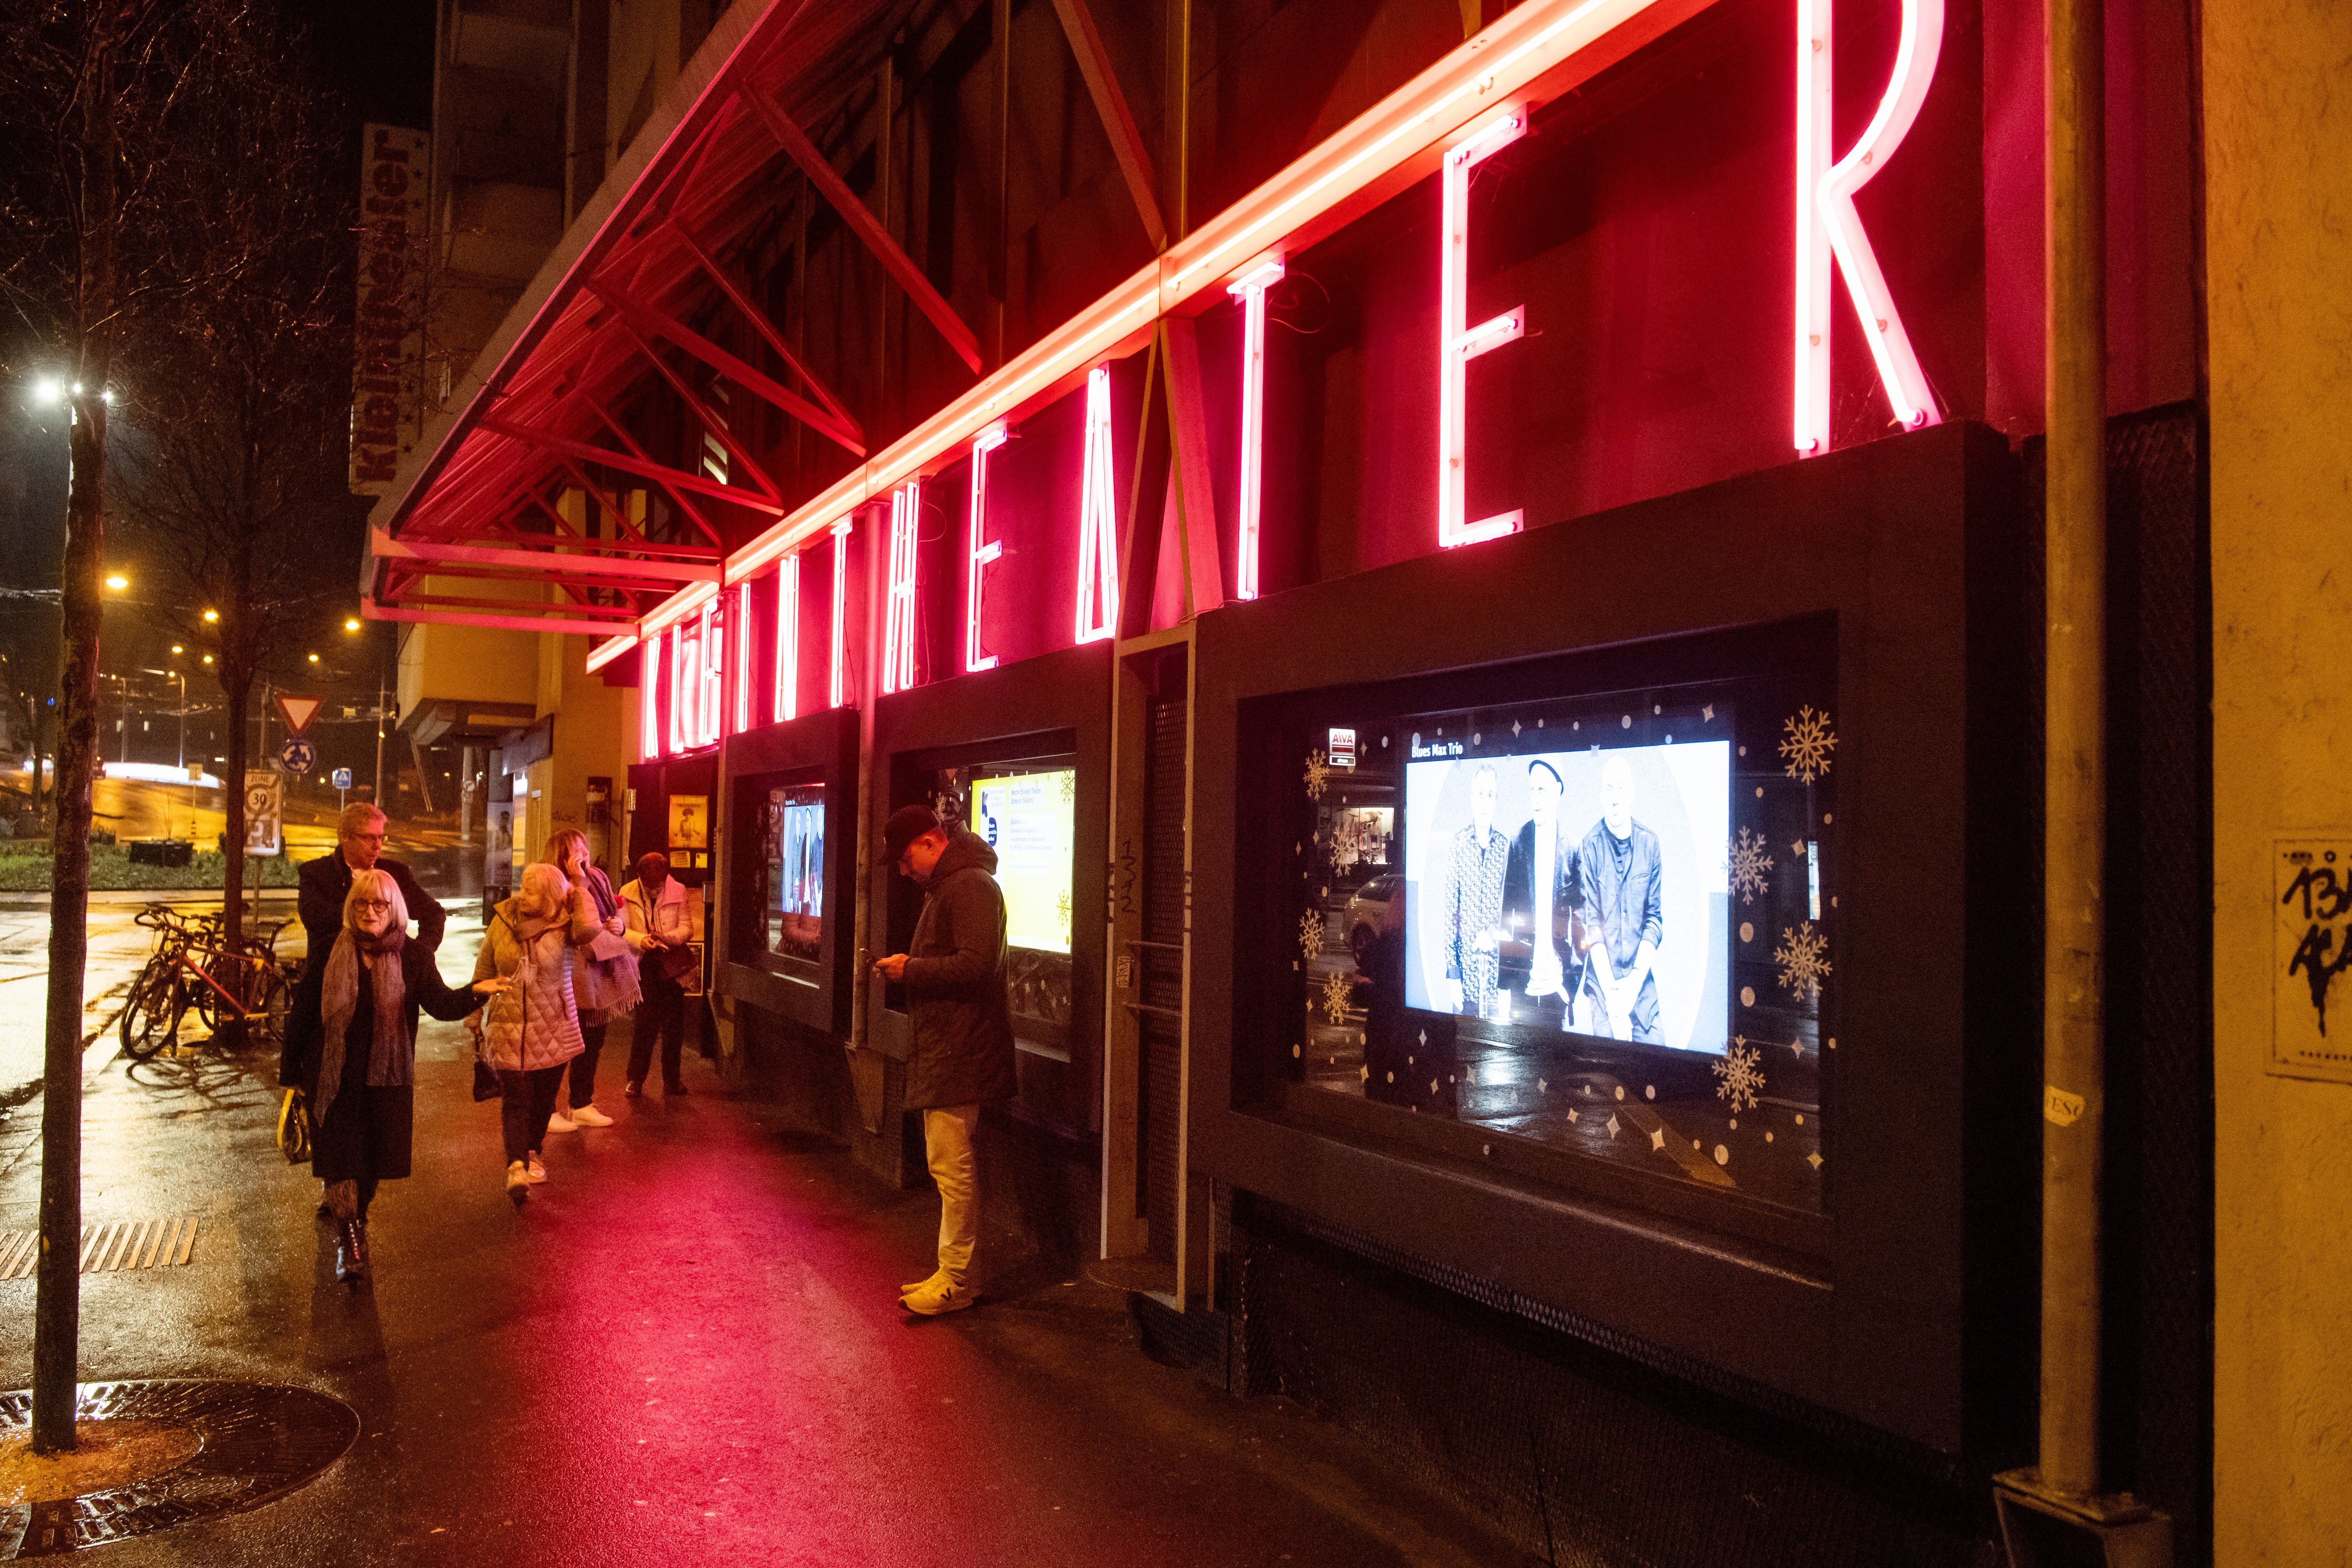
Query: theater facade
[1486, 577]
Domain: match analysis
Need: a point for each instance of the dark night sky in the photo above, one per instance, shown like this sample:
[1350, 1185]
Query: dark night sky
[378, 55]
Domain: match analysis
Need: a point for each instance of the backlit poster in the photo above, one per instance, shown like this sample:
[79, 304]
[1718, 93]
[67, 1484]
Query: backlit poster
[1030, 820]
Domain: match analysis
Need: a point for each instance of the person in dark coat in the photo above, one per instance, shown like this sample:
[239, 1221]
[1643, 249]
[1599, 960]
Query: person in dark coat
[1542, 959]
[961, 1007]
[325, 882]
[351, 1048]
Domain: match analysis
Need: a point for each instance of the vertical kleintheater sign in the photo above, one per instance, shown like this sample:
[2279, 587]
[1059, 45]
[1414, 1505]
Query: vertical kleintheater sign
[387, 400]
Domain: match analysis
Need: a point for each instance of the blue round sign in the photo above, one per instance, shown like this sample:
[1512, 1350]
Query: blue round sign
[298, 755]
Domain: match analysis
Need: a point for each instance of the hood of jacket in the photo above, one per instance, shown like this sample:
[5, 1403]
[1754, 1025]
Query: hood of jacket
[965, 851]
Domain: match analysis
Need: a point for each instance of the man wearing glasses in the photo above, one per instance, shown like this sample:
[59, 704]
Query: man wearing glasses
[327, 881]
[961, 1012]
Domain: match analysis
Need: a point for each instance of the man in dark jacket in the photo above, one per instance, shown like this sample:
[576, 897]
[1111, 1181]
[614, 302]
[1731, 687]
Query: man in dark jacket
[961, 1011]
[325, 882]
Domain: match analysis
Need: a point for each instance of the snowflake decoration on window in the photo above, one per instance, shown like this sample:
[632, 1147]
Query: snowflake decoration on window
[1803, 958]
[1063, 903]
[1337, 992]
[1806, 742]
[1311, 935]
[1739, 1078]
[1748, 864]
[1318, 773]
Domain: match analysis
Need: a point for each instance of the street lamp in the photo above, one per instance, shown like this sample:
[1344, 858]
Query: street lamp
[314, 658]
[118, 582]
[212, 615]
[352, 625]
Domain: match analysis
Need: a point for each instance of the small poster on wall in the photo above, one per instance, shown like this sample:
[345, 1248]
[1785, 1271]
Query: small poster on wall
[2311, 1004]
[689, 832]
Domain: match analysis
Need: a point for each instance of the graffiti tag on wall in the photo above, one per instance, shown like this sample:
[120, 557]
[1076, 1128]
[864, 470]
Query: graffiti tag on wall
[2311, 973]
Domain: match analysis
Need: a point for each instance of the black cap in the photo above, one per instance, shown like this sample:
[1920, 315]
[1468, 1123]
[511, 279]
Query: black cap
[906, 823]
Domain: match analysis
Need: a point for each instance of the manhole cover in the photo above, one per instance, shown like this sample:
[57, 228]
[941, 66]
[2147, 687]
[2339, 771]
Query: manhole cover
[210, 1449]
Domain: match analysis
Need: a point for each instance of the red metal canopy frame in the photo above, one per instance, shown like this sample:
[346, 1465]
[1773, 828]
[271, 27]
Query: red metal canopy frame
[651, 254]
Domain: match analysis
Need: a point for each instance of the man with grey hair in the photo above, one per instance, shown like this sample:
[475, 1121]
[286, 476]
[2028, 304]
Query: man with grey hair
[327, 881]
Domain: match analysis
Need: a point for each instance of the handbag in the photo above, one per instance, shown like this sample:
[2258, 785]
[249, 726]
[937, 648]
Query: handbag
[294, 1128]
[678, 964]
[486, 1076]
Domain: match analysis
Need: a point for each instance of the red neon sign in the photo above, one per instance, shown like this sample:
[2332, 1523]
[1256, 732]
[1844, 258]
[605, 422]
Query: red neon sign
[1251, 287]
[742, 670]
[840, 687]
[1830, 230]
[786, 700]
[650, 733]
[979, 549]
[680, 688]
[1097, 522]
[898, 625]
[1457, 345]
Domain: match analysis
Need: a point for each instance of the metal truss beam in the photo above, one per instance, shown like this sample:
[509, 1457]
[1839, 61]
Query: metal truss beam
[1118, 119]
[586, 627]
[669, 478]
[732, 284]
[867, 226]
[542, 561]
[751, 380]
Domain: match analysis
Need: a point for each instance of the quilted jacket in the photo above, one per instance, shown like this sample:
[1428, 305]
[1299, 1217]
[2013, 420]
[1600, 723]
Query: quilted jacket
[536, 1021]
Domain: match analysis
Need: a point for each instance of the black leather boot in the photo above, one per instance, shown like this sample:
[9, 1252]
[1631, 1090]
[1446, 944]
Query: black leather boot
[350, 1252]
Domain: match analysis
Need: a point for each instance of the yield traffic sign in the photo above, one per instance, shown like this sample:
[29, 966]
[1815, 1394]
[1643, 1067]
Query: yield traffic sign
[299, 710]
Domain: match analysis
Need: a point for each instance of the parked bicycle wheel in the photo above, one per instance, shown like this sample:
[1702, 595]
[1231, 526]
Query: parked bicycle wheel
[270, 1012]
[151, 1019]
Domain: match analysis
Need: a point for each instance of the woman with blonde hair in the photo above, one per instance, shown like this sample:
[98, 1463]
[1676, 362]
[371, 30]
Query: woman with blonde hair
[351, 1048]
[533, 1029]
[605, 988]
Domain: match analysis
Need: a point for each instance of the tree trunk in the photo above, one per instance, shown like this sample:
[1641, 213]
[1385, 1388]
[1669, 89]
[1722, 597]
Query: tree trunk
[56, 1309]
[239, 694]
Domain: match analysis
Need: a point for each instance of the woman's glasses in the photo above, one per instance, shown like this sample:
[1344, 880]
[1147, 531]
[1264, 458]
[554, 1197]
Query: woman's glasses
[371, 903]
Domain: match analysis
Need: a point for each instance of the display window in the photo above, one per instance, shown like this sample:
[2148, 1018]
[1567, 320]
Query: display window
[1026, 810]
[791, 894]
[1599, 925]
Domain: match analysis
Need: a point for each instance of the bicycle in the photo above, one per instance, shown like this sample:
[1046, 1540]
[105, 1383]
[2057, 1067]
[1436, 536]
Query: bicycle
[193, 967]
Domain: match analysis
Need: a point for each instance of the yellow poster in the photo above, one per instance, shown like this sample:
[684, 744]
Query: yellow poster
[1030, 817]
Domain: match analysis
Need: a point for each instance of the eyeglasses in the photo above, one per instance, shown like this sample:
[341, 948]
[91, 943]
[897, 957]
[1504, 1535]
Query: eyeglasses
[371, 903]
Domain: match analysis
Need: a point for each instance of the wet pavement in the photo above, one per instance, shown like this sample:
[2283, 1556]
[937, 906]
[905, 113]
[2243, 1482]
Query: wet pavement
[686, 1347]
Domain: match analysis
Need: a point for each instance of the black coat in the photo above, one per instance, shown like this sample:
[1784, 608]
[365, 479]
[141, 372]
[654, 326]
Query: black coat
[1519, 906]
[957, 996]
[421, 985]
[327, 882]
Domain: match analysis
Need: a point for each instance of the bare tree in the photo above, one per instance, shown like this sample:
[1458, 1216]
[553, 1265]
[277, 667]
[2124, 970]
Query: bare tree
[119, 177]
[235, 487]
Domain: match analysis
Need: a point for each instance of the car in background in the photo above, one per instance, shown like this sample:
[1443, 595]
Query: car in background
[1369, 910]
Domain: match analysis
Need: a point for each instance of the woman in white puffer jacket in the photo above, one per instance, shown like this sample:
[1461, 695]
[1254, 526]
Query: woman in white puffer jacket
[526, 1035]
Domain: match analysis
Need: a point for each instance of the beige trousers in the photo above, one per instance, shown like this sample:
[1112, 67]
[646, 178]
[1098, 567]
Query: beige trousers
[947, 1146]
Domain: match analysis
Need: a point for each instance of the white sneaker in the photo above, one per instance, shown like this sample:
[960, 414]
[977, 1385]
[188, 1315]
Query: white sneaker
[559, 1122]
[518, 1179]
[588, 1116]
[533, 1173]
